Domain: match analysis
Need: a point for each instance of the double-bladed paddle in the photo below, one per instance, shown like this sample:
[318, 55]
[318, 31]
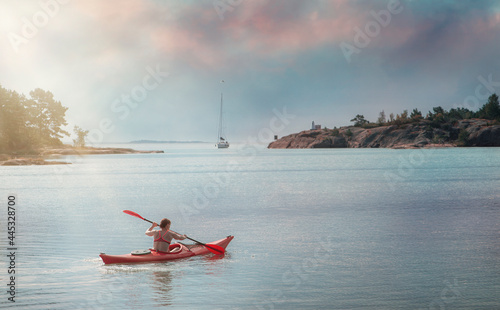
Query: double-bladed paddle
[212, 247]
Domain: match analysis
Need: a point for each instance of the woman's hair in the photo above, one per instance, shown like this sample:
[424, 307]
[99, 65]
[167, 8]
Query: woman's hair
[164, 223]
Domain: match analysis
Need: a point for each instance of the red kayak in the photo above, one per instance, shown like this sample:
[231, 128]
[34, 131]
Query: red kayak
[177, 250]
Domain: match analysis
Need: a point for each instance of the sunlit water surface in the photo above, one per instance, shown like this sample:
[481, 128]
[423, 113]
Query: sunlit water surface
[314, 229]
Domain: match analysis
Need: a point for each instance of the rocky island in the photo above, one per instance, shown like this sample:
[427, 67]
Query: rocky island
[424, 133]
[439, 128]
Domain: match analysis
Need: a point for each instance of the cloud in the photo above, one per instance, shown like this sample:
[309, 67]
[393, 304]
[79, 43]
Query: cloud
[197, 36]
[271, 53]
[447, 31]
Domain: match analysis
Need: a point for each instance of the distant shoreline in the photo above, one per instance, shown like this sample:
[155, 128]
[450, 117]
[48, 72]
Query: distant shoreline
[66, 150]
[156, 141]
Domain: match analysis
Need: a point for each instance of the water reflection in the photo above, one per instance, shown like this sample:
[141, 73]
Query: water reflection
[137, 280]
[214, 264]
[162, 285]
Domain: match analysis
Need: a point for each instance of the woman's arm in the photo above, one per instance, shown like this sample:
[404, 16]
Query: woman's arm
[150, 232]
[178, 236]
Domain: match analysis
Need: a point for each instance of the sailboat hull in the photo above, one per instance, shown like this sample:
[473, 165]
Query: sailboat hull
[222, 145]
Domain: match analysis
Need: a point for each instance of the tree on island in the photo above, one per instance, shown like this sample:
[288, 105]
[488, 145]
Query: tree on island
[416, 114]
[27, 124]
[359, 120]
[381, 118]
[80, 136]
[461, 113]
[437, 118]
[491, 110]
[404, 115]
[47, 117]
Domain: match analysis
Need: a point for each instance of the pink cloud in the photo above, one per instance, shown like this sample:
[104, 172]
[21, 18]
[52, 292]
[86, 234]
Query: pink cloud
[177, 43]
[196, 34]
[261, 28]
[254, 28]
[258, 28]
[109, 13]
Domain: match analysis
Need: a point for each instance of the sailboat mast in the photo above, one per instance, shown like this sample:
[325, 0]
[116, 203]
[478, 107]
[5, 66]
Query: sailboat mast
[220, 118]
[222, 143]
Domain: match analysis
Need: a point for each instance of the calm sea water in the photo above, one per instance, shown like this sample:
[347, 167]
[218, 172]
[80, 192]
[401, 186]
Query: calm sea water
[314, 229]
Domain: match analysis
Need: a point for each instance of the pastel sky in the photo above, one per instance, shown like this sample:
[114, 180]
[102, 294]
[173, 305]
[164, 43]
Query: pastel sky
[315, 59]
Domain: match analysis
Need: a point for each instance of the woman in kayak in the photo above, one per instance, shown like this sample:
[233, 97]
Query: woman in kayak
[164, 236]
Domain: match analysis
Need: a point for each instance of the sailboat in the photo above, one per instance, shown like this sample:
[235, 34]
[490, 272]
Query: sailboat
[222, 143]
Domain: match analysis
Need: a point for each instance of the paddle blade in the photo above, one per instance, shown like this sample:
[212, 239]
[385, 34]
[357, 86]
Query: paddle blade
[216, 249]
[133, 214]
